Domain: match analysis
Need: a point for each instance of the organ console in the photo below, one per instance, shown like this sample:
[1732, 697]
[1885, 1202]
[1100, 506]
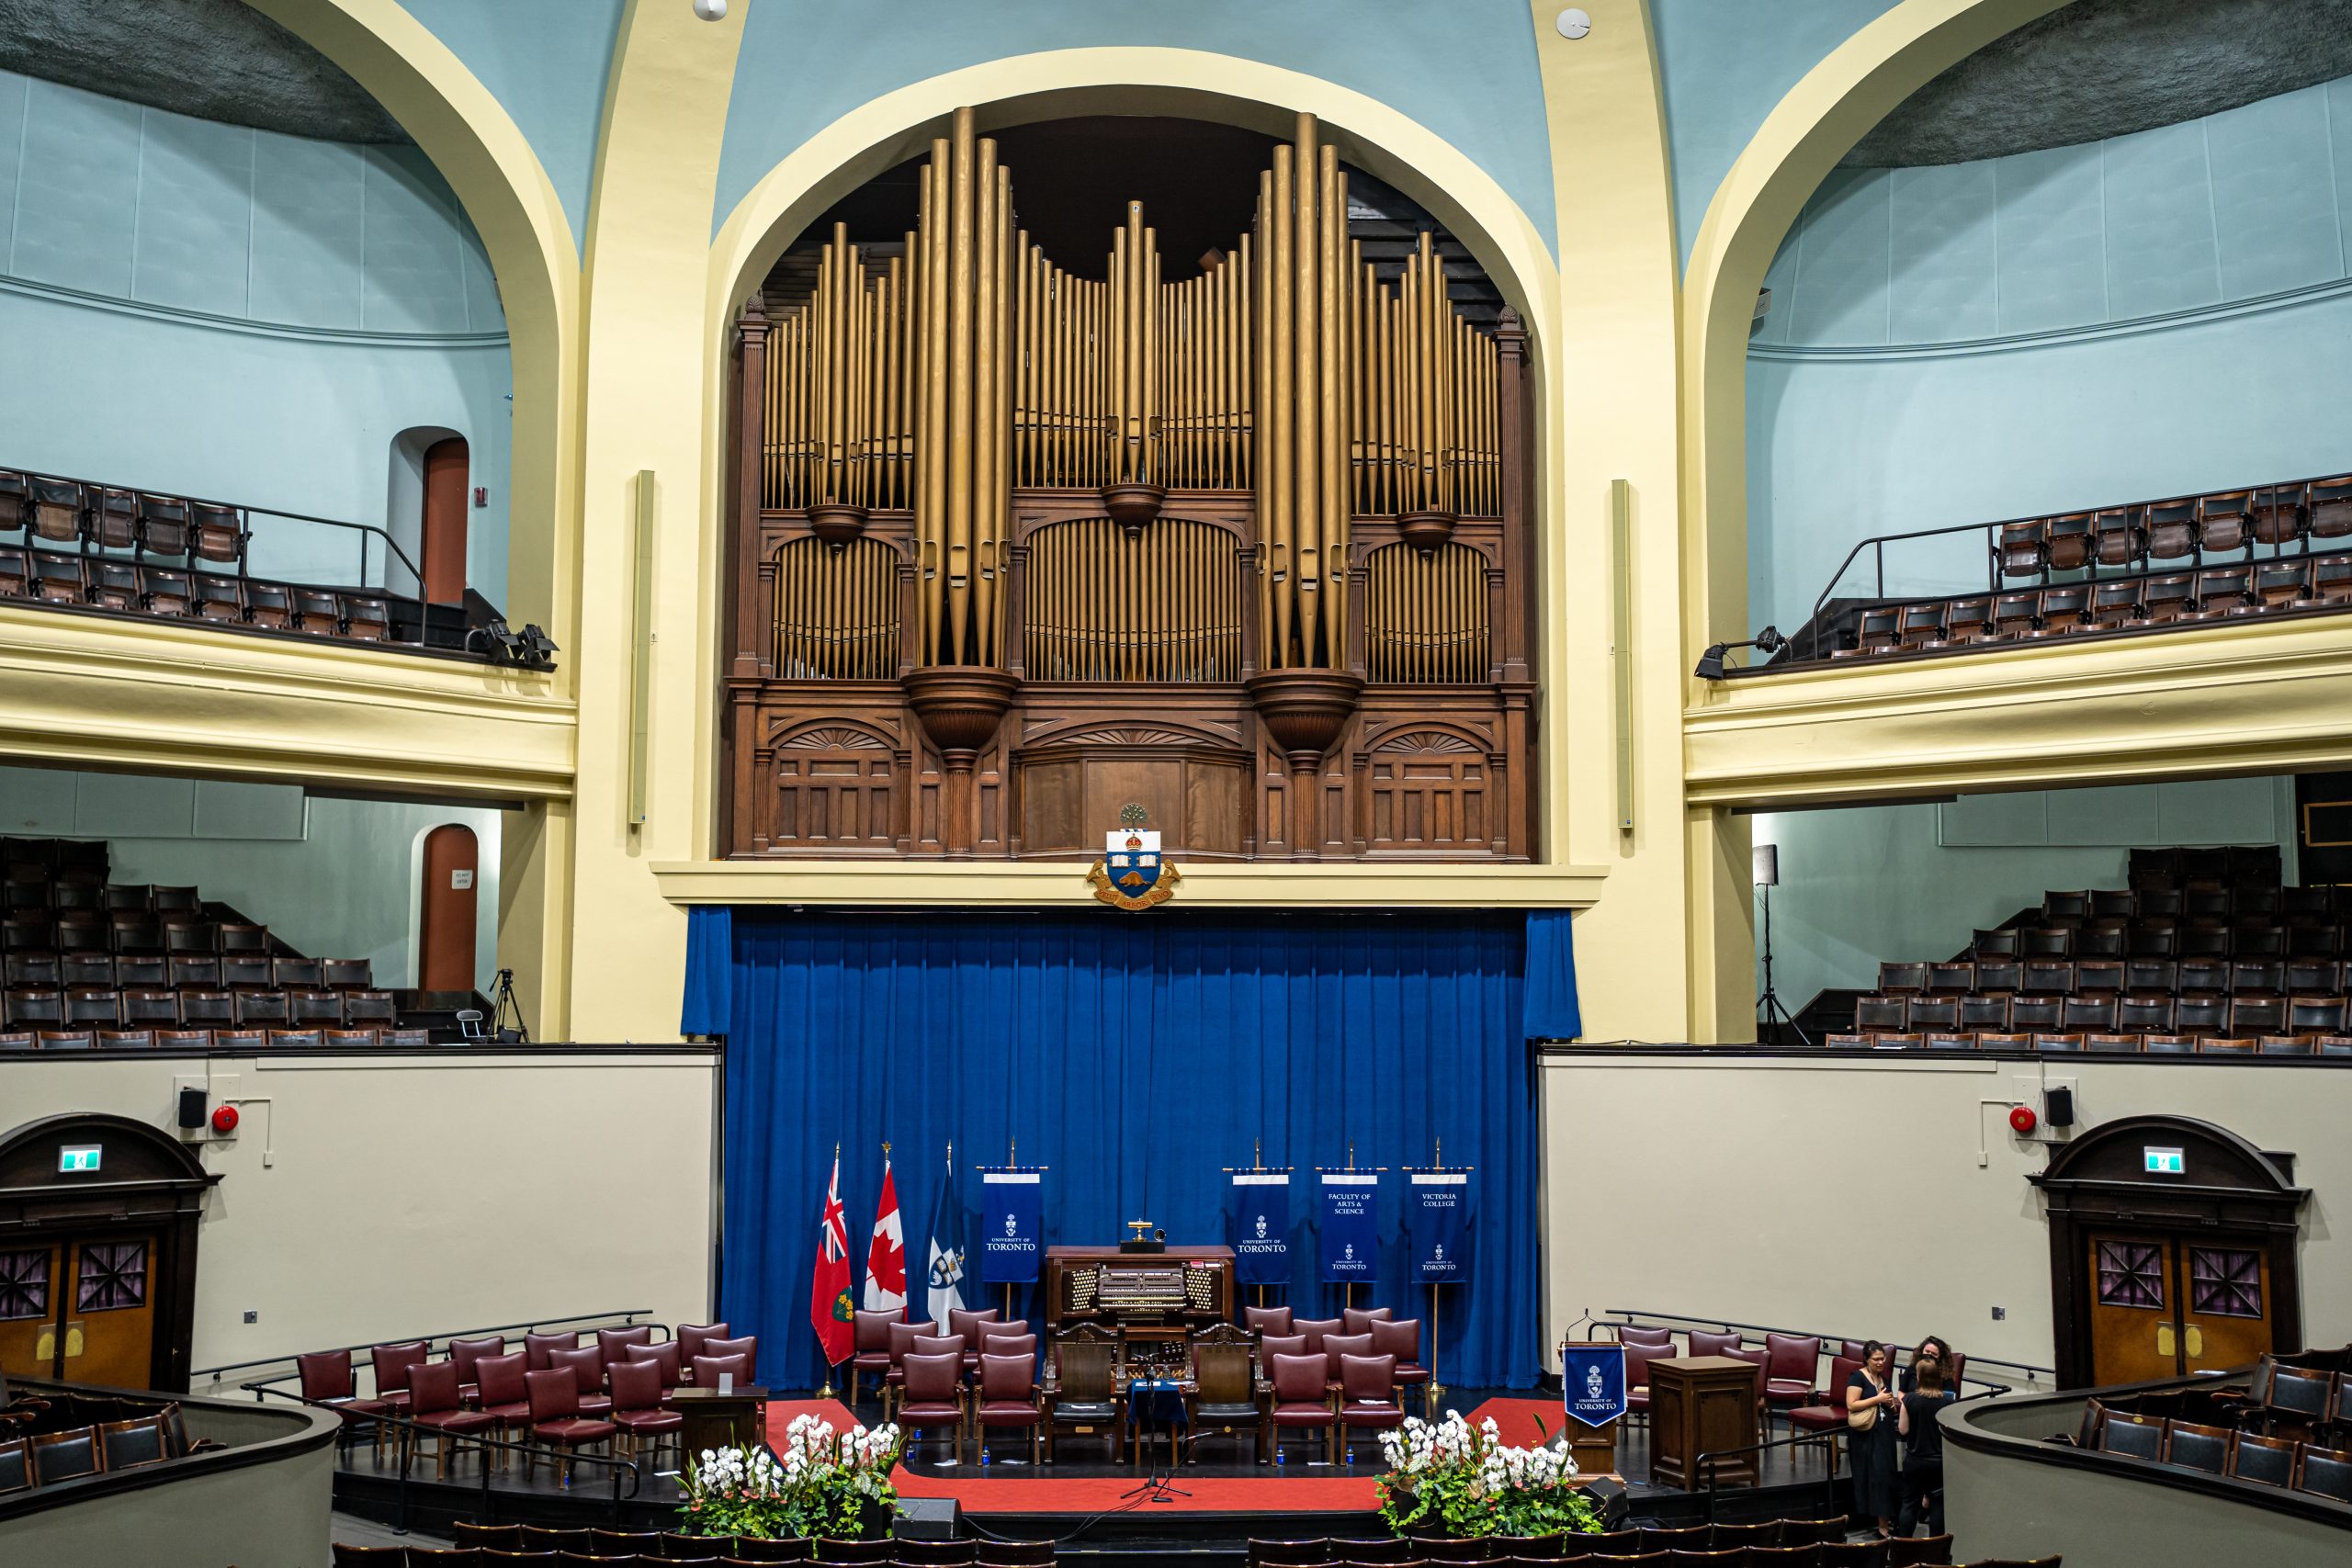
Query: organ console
[1019, 541]
[1155, 1301]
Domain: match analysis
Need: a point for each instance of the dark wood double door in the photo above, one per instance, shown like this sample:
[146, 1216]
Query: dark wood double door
[2166, 1305]
[79, 1309]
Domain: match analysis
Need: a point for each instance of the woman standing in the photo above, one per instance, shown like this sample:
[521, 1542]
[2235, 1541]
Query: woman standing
[1923, 1446]
[1871, 1436]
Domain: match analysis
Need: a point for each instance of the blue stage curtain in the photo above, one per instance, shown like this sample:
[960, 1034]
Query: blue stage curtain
[1552, 1011]
[1135, 1056]
[710, 970]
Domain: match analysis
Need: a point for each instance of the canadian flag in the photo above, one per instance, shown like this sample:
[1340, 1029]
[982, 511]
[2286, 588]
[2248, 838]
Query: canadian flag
[886, 1257]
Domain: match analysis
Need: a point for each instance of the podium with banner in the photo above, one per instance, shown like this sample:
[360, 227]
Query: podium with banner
[1592, 1394]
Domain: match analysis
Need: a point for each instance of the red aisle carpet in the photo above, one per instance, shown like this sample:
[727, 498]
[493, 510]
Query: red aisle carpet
[1515, 1419]
[1045, 1494]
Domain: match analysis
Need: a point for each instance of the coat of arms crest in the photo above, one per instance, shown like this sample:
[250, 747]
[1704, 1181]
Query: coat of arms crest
[1131, 875]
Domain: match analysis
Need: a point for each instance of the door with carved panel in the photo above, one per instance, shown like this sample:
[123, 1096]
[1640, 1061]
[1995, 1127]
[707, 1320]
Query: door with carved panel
[81, 1310]
[2165, 1306]
[28, 1276]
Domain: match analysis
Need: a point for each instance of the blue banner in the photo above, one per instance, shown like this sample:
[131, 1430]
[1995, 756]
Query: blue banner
[1439, 1218]
[1592, 1383]
[1262, 1227]
[1011, 1220]
[1349, 1233]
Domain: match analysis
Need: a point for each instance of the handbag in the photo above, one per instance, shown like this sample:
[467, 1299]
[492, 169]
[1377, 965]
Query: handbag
[1864, 1419]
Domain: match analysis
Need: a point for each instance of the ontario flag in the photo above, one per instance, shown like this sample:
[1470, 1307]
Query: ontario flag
[885, 1255]
[829, 1310]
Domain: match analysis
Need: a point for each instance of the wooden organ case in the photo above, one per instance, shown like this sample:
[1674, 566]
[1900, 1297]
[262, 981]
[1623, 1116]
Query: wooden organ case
[1012, 548]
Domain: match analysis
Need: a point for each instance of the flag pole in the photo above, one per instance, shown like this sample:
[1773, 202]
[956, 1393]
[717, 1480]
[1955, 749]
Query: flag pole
[826, 1392]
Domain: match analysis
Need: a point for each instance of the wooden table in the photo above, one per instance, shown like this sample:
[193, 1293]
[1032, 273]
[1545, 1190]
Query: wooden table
[716, 1420]
[1701, 1405]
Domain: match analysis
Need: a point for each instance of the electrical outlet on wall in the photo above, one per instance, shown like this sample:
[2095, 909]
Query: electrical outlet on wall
[1999, 1314]
[253, 1317]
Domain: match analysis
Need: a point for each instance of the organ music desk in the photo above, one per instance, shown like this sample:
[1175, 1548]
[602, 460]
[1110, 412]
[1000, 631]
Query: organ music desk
[1154, 1299]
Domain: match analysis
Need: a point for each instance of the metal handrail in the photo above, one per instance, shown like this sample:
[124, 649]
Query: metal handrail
[1877, 544]
[1706, 1463]
[1726, 1324]
[628, 1317]
[261, 1393]
[246, 511]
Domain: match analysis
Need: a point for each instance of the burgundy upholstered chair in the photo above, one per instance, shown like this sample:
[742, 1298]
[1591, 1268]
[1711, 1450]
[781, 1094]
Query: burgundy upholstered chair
[556, 1420]
[708, 1369]
[1368, 1392]
[1338, 1344]
[873, 1353]
[992, 1329]
[1008, 1394]
[663, 1356]
[586, 1363]
[966, 1322]
[326, 1380]
[932, 1394]
[748, 1347]
[1638, 1375]
[614, 1342]
[904, 1337]
[392, 1363]
[1303, 1399]
[1824, 1413]
[1315, 1328]
[692, 1336]
[1792, 1369]
[539, 1347]
[996, 1344]
[1402, 1339]
[1705, 1342]
[433, 1403]
[466, 1352]
[1266, 1320]
[1635, 1333]
[1761, 1359]
[1359, 1319]
[1273, 1344]
[638, 1412]
[501, 1394]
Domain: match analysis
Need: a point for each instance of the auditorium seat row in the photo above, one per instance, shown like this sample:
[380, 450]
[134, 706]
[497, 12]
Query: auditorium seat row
[2245, 1014]
[491, 1546]
[186, 972]
[2130, 1044]
[2145, 565]
[74, 1007]
[2000, 974]
[215, 1039]
[99, 546]
[130, 933]
[1772, 1543]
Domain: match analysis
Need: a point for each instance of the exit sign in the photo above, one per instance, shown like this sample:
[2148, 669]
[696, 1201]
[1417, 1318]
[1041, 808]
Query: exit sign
[2165, 1162]
[76, 1158]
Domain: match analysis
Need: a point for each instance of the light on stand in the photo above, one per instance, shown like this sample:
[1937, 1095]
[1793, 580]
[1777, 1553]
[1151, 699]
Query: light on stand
[1767, 876]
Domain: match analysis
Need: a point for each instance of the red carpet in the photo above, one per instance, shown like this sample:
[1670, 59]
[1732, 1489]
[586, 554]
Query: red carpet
[1045, 1494]
[1515, 1419]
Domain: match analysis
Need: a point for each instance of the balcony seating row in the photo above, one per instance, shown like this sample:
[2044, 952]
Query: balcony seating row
[494, 1546]
[45, 1454]
[186, 972]
[2129, 1044]
[2283, 518]
[1982, 974]
[2195, 1014]
[188, 932]
[1769, 1543]
[390, 1039]
[98, 1007]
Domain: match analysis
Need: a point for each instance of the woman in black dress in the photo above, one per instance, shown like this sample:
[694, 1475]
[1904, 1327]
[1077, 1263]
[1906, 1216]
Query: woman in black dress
[1871, 1436]
[1922, 1483]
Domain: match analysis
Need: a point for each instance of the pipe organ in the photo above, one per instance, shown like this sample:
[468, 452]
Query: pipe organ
[1019, 540]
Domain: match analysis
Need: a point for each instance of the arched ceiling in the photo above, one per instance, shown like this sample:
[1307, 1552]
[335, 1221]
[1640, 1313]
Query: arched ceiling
[218, 60]
[2103, 68]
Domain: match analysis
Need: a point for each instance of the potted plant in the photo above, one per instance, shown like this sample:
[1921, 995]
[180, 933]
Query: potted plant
[824, 1483]
[1451, 1478]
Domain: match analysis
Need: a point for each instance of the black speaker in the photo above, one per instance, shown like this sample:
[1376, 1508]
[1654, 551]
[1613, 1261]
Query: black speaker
[2058, 1107]
[192, 1112]
[926, 1518]
[1609, 1496]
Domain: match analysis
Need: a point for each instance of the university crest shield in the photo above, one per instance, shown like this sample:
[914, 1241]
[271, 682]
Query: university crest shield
[1131, 875]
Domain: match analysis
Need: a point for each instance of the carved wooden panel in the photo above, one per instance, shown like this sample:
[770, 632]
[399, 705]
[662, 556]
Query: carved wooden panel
[834, 790]
[1428, 790]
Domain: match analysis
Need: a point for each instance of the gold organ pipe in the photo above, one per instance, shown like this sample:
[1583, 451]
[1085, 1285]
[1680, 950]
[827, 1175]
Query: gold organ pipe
[1284, 367]
[985, 407]
[956, 565]
[1306, 457]
[1332, 456]
[931, 437]
[1000, 492]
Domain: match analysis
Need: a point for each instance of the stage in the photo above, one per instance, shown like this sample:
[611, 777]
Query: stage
[1084, 1501]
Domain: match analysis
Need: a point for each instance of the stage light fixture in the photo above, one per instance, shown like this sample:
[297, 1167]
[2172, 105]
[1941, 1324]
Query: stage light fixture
[711, 10]
[538, 647]
[1711, 663]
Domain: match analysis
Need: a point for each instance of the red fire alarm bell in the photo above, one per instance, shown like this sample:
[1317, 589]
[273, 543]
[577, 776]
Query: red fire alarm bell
[224, 1118]
[2022, 1119]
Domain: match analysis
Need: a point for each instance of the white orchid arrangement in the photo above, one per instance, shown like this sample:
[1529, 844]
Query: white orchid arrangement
[1469, 1480]
[825, 1482]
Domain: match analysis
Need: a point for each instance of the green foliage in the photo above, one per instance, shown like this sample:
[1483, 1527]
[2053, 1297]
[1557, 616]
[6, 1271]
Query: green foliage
[1464, 1480]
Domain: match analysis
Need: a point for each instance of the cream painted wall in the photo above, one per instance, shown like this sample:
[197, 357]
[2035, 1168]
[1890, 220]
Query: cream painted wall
[1846, 1196]
[366, 1198]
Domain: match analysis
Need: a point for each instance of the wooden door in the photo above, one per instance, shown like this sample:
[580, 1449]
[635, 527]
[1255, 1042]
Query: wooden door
[108, 1312]
[443, 535]
[2135, 1309]
[28, 1302]
[446, 942]
[2167, 1305]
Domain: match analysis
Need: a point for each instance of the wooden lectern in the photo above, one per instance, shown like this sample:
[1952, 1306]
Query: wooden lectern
[1594, 1449]
[1702, 1404]
[716, 1420]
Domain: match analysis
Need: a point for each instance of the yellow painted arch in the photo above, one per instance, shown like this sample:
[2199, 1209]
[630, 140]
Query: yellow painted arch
[477, 147]
[1818, 122]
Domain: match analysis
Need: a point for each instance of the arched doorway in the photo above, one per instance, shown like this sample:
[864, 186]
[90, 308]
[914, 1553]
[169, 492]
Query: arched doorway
[2173, 1250]
[98, 1223]
[445, 942]
[443, 531]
